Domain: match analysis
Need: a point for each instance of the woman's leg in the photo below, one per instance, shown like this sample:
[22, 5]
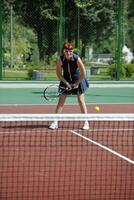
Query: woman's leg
[61, 103]
[59, 109]
[83, 107]
[81, 101]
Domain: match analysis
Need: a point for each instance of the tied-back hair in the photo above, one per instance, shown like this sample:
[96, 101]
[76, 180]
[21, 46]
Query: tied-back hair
[67, 46]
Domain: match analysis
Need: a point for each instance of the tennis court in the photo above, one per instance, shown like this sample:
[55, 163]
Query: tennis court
[67, 163]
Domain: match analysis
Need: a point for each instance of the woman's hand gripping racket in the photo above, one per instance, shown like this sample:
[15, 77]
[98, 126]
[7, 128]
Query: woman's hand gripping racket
[52, 92]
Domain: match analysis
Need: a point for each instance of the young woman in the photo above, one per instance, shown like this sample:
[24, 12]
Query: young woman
[71, 73]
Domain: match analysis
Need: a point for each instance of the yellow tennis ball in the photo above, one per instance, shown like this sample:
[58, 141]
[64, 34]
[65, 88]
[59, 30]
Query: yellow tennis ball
[97, 108]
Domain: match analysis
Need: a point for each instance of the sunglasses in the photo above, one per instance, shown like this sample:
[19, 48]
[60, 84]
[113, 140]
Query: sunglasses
[70, 51]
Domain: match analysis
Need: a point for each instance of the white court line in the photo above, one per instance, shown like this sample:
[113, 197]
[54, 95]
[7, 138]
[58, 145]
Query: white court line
[104, 147]
[63, 130]
[112, 129]
[44, 85]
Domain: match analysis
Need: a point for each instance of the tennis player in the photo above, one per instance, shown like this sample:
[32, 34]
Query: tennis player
[71, 73]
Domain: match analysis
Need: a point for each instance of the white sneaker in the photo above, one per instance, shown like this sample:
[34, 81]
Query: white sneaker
[85, 126]
[54, 125]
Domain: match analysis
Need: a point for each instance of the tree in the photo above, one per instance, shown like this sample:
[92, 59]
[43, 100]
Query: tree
[96, 22]
[41, 17]
[129, 25]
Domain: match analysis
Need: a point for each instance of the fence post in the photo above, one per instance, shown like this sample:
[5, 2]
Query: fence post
[1, 65]
[119, 37]
[61, 26]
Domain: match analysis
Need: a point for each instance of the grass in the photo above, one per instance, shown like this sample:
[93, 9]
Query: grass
[15, 75]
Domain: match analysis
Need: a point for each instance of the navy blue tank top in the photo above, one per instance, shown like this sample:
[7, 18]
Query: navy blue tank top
[71, 71]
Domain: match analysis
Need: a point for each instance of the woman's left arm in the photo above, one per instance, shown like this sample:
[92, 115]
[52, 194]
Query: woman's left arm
[82, 71]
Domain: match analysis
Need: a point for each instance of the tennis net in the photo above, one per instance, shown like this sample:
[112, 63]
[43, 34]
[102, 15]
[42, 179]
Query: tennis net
[68, 163]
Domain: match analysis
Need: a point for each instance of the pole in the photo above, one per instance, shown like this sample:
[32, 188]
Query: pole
[78, 33]
[11, 36]
[61, 25]
[119, 38]
[1, 63]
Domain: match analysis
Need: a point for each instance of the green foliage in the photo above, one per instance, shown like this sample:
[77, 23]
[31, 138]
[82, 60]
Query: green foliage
[126, 71]
[84, 3]
[36, 30]
[129, 70]
[30, 73]
[24, 40]
[97, 22]
[129, 24]
[31, 67]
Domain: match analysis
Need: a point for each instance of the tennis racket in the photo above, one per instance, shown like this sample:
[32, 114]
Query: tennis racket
[52, 92]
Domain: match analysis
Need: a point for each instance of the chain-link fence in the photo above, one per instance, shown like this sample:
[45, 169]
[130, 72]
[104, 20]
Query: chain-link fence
[33, 34]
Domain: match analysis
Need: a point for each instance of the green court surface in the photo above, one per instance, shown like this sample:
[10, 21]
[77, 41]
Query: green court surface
[32, 93]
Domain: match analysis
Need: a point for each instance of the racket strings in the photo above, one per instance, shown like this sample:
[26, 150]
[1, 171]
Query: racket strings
[51, 92]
